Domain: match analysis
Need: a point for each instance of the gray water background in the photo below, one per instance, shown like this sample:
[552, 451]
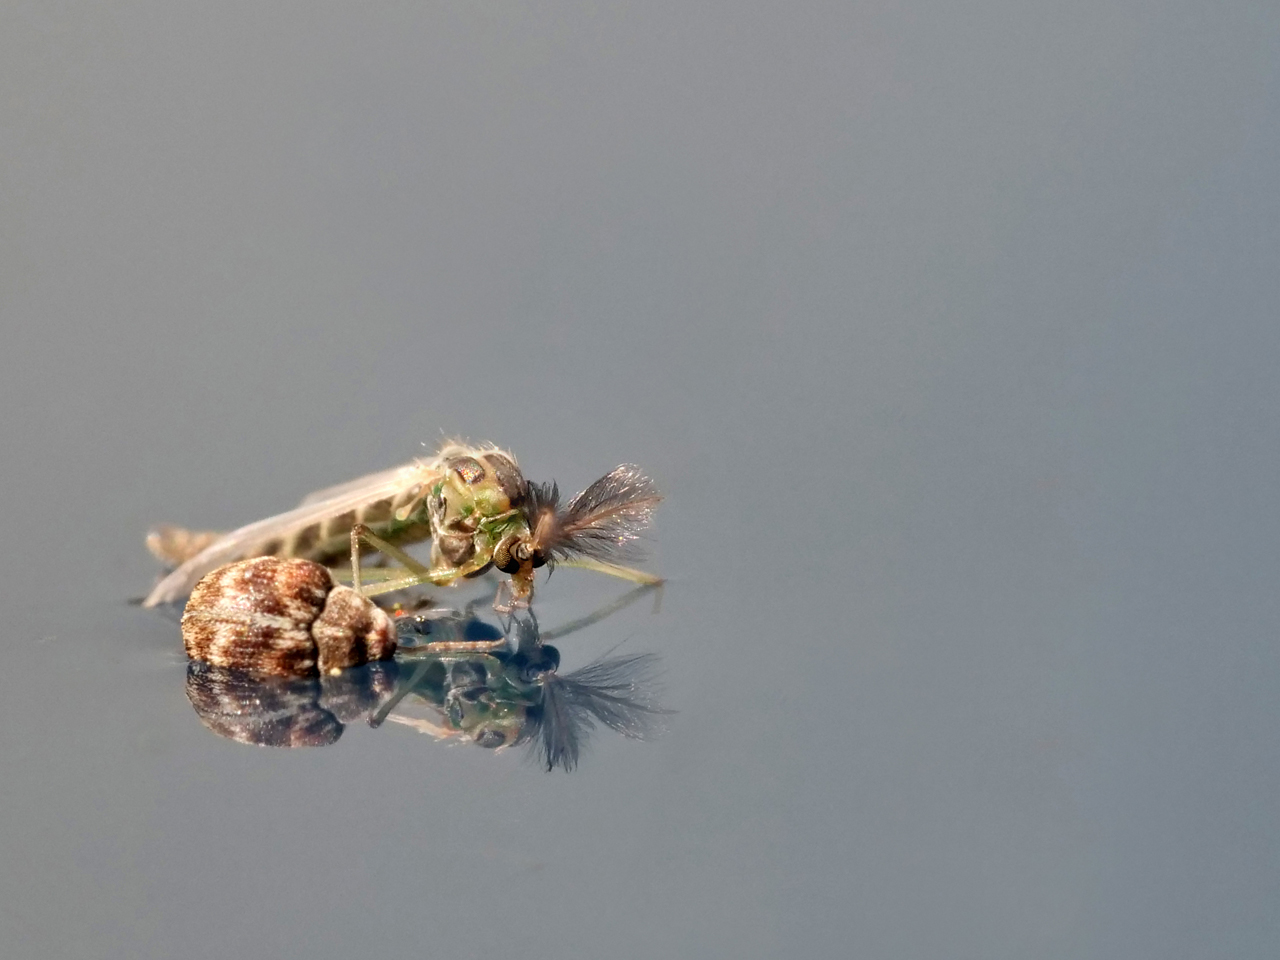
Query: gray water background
[949, 331]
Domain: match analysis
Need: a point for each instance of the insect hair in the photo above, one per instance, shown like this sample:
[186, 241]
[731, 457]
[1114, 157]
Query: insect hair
[602, 522]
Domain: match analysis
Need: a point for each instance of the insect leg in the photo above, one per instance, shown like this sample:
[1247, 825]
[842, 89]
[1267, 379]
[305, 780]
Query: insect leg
[355, 557]
[174, 546]
[612, 569]
[441, 578]
[359, 531]
[499, 606]
[417, 571]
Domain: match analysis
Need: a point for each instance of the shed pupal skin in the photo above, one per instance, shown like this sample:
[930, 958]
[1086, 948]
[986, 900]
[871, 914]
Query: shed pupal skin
[283, 617]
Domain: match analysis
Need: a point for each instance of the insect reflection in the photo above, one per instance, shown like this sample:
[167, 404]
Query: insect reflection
[513, 694]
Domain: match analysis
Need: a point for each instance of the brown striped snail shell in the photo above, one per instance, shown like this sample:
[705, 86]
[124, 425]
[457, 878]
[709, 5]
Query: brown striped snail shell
[283, 617]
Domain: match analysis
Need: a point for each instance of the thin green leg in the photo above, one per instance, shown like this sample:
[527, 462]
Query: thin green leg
[612, 569]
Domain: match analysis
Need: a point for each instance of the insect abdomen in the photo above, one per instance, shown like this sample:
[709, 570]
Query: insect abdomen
[329, 540]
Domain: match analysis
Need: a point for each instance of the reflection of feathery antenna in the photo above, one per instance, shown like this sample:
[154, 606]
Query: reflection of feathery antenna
[618, 692]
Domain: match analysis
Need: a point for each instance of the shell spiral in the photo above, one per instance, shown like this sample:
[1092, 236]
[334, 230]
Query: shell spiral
[283, 617]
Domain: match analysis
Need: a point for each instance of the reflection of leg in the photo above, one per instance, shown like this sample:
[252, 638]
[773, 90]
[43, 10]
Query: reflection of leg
[628, 598]
[402, 690]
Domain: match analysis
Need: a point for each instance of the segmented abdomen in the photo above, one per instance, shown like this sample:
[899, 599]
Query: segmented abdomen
[329, 540]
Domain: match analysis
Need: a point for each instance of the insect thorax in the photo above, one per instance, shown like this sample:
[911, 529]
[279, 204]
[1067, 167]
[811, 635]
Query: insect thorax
[474, 504]
[465, 498]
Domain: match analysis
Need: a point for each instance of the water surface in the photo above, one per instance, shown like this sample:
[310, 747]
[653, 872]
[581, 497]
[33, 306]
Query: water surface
[949, 335]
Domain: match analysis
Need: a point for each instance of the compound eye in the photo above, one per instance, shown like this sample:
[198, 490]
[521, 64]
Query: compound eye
[491, 739]
[539, 559]
[503, 557]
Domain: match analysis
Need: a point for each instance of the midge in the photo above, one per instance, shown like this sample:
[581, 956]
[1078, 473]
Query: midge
[472, 502]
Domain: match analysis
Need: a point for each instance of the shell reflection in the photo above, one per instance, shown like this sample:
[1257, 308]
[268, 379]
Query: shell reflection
[287, 711]
[511, 695]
